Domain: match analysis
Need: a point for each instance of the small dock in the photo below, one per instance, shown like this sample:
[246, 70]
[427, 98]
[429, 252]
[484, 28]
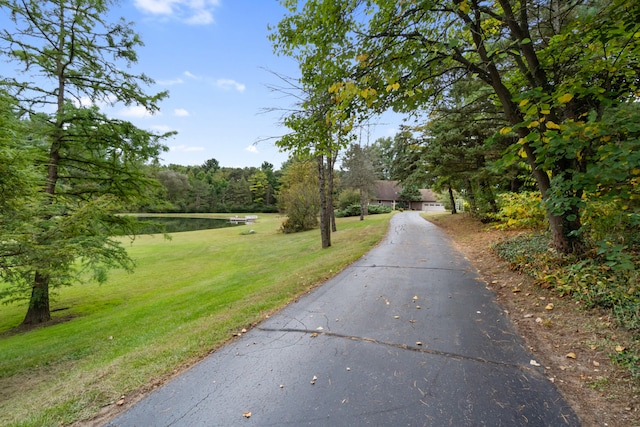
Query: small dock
[248, 219]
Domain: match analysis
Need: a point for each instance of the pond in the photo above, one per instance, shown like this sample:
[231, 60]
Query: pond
[177, 224]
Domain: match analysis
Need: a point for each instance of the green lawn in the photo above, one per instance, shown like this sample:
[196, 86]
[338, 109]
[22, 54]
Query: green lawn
[187, 296]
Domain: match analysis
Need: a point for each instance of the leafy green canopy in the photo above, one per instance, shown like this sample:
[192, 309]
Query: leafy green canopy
[560, 72]
[85, 166]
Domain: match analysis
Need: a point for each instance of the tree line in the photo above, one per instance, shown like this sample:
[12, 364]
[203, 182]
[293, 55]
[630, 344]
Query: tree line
[212, 188]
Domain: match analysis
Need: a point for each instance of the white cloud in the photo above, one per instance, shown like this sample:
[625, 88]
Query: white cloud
[84, 101]
[181, 112]
[200, 17]
[172, 82]
[155, 7]
[136, 112]
[190, 75]
[228, 84]
[192, 12]
[185, 148]
[252, 149]
[162, 128]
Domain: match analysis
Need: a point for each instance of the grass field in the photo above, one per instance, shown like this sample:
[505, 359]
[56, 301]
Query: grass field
[188, 296]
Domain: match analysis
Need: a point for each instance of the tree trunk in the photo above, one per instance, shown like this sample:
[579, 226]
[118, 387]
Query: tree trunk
[362, 204]
[332, 216]
[472, 198]
[325, 218]
[38, 311]
[453, 201]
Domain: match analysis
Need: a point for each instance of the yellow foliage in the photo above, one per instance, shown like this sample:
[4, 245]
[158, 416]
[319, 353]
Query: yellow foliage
[335, 88]
[464, 7]
[505, 131]
[394, 86]
[565, 98]
[534, 124]
[552, 125]
[523, 102]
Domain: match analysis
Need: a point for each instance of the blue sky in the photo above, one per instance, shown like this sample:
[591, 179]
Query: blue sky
[211, 56]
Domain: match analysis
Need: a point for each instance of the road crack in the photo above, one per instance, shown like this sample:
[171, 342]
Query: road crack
[418, 349]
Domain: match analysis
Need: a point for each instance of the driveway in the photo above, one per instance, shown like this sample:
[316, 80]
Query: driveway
[405, 336]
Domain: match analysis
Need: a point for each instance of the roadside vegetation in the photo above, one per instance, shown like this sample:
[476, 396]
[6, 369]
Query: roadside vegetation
[606, 277]
[187, 296]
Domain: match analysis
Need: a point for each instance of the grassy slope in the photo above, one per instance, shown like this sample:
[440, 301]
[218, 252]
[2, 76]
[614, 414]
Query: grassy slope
[186, 297]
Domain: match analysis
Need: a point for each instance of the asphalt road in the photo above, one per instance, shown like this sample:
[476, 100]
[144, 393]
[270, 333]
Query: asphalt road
[405, 336]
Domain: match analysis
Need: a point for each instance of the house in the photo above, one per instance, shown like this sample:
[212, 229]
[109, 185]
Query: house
[386, 194]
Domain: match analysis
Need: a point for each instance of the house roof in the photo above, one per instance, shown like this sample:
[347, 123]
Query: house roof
[428, 195]
[388, 190]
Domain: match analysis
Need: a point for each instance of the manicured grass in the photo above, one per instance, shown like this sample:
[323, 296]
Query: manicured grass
[188, 296]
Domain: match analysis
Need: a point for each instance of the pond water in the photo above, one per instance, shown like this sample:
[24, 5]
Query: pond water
[178, 224]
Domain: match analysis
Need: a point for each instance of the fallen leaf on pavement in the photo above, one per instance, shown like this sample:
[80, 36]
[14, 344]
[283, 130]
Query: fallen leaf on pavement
[246, 414]
[533, 363]
[549, 306]
[571, 355]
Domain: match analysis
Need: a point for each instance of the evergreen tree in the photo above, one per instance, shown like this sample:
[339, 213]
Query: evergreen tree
[72, 58]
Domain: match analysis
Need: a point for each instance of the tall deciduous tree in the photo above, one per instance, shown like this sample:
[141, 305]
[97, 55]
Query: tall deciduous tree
[71, 59]
[321, 125]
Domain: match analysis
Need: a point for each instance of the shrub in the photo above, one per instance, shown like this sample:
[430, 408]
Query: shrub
[351, 210]
[348, 198]
[354, 210]
[520, 210]
[378, 209]
[603, 279]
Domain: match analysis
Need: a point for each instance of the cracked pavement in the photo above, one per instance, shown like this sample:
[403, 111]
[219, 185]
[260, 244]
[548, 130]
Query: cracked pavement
[405, 336]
